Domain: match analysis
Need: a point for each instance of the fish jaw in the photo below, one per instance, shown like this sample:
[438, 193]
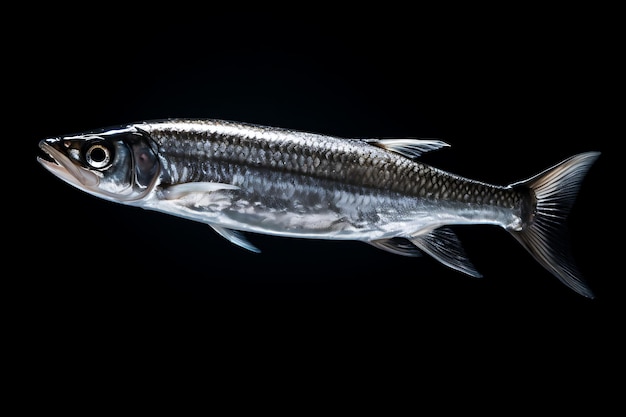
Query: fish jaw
[83, 179]
[62, 167]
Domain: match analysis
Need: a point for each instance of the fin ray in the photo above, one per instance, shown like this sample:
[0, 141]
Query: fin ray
[236, 237]
[174, 192]
[398, 246]
[411, 148]
[545, 235]
[443, 245]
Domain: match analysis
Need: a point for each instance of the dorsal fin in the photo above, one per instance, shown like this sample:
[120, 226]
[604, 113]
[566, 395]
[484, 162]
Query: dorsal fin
[411, 148]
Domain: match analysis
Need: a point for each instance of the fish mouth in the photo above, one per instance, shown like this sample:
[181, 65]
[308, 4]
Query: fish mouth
[55, 161]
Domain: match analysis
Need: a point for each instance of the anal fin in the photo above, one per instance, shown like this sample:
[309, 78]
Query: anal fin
[396, 245]
[443, 245]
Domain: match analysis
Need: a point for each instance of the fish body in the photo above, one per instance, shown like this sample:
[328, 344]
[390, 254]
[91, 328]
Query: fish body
[239, 177]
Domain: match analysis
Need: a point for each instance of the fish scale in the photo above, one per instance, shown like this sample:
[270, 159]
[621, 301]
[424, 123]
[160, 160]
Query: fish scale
[239, 178]
[356, 163]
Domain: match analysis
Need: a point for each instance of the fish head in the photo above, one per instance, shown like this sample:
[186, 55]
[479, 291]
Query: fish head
[120, 165]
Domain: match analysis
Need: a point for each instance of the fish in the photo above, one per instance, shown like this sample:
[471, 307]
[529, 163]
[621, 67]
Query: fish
[242, 178]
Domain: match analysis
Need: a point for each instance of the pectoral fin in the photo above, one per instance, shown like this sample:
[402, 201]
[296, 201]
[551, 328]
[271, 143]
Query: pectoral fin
[174, 192]
[236, 237]
[443, 245]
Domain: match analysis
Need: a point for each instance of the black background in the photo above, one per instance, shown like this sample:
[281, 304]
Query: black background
[513, 92]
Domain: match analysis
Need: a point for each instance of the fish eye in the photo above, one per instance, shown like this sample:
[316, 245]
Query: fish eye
[98, 155]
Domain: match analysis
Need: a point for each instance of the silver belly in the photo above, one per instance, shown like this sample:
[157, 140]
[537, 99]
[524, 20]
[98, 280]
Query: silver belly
[290, 205]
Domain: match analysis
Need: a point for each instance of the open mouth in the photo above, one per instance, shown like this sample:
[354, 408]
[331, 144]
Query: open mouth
[60, 165]
[45, 154]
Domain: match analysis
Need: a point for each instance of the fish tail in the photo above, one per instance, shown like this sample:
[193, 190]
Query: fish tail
[544, 233]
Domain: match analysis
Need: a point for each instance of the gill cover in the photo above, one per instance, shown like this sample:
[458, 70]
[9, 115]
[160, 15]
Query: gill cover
[119, 165]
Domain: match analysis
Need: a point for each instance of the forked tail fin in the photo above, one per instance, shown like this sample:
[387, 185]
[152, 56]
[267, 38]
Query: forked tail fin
[544, 233]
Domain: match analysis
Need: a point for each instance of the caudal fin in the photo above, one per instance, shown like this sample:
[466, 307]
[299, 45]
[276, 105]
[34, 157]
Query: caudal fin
[544, 234]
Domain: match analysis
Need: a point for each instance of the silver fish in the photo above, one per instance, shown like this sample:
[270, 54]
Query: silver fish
[239, 177]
